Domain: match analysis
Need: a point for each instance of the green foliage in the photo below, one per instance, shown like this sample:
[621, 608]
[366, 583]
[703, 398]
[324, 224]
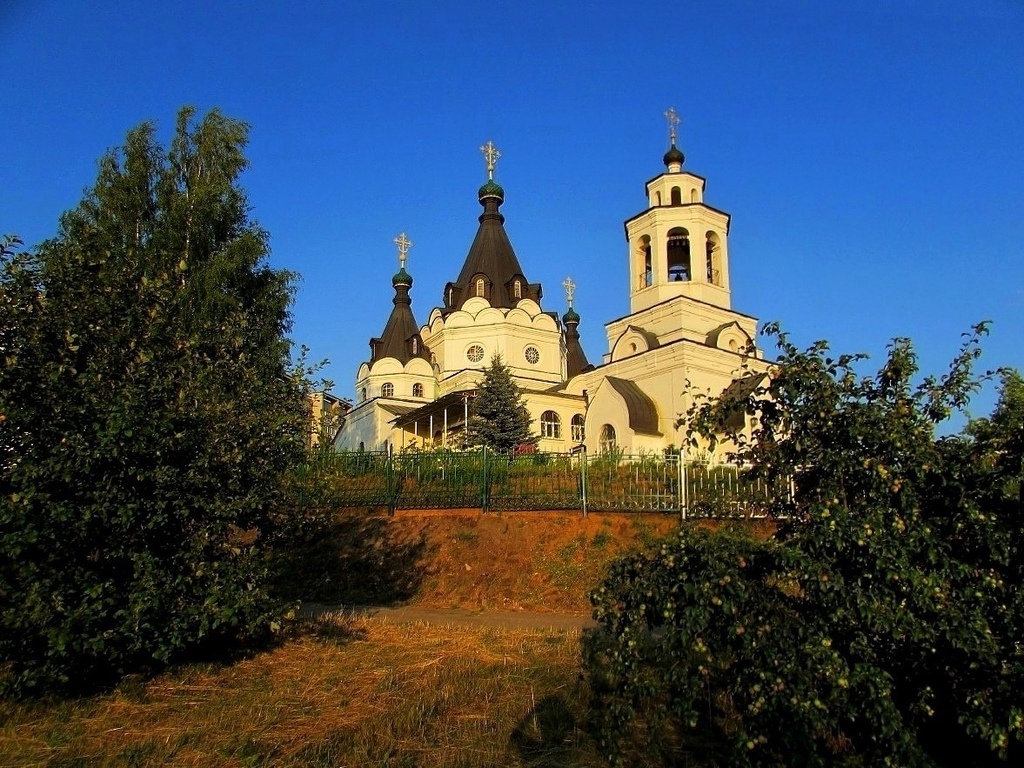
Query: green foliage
[880, 625]
[147, 417]
[498, 418]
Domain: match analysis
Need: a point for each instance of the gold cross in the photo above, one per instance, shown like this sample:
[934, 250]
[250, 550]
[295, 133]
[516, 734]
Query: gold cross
[404, 244]
[673, 121]
[570, 290]
[491, 154]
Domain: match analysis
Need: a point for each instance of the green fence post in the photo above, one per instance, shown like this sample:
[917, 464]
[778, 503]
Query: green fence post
[484, 490]
[583, 479]
[682, 483]
[391, 484]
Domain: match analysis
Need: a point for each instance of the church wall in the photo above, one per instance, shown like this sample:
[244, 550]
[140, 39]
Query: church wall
[361, 428]
[565, 407]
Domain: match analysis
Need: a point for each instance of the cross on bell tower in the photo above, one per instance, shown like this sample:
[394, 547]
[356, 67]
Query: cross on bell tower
[673, 121]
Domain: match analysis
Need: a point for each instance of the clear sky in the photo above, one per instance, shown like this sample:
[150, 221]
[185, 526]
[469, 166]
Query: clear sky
[868, 152]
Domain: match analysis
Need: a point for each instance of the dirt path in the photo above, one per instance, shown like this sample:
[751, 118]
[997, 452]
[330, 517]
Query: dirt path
[411, 614]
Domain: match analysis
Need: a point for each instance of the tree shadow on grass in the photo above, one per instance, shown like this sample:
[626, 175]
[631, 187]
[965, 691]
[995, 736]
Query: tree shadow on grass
[547, 735]
[349, 557]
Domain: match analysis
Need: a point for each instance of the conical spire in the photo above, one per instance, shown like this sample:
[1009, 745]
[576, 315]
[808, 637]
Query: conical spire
[575, 357]
[491, 269]
[401, 337]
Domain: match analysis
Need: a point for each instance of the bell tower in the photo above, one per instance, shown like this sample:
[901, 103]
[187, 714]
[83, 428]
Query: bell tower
[678, 246]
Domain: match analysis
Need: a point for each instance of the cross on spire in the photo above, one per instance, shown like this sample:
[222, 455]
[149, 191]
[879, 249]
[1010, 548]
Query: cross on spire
[491, 154]
[570, 290]
[673, 121]
[404, 244]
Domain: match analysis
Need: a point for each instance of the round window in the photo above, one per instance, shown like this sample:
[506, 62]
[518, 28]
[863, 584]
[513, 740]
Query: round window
[475, 353]
[532, 355]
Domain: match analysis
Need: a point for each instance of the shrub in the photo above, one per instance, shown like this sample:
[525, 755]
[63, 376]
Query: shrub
[881, 624]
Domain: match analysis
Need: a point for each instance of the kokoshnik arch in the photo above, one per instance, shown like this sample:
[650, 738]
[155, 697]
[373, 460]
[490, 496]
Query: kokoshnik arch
[681, 335]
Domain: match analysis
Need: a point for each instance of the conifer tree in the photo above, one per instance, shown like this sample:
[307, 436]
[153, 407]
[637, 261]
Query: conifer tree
[147, 417]
[499, 419]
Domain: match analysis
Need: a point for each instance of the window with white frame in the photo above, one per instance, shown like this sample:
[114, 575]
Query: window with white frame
[550, 425]
[577, 428]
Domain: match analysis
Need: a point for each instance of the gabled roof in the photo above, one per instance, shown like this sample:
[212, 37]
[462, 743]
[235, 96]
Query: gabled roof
[643, 414]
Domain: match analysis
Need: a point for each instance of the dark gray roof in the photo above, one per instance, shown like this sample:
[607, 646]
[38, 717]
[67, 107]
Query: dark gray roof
[575, 358]
[643, 414]
[491, 256]
[399, 332]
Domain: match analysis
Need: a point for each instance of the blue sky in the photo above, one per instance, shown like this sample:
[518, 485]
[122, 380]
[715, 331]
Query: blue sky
[868, 152]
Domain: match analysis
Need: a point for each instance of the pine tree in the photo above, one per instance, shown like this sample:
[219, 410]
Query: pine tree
[148, 416]
[499, 419]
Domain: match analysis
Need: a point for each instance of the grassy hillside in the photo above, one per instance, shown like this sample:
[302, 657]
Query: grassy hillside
[536, 561]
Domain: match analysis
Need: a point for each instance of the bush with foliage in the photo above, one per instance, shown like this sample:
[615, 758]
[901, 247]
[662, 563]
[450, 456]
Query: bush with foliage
[148, 416]
[882, 624]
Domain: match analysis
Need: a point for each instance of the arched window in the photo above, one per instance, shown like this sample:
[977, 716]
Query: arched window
[577, 428]
[451, 294]
[657, 198]
[480, 287]
[677, 196]
[678, 248]
[415, 346]
[607, 442]
[362, 395]
[711, 246]
[550, 425]
[417, 390]
[693, 195]
[387, 389]
[517, 290]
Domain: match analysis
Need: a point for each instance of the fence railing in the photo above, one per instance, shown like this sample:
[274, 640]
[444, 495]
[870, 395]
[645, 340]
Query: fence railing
[535, 481]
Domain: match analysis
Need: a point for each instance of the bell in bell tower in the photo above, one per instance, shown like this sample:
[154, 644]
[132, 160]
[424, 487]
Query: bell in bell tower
[677, 247]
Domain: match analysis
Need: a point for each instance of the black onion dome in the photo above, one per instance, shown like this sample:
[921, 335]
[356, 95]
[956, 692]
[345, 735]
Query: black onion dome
[673, 156]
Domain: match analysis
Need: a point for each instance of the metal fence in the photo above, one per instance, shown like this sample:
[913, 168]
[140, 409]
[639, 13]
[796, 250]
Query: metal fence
[535, 481]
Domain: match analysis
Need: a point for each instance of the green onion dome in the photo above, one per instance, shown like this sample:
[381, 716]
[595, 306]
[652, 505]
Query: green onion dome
[491, 189]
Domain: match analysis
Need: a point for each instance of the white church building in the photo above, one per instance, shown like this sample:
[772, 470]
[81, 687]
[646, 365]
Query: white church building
[681, 336]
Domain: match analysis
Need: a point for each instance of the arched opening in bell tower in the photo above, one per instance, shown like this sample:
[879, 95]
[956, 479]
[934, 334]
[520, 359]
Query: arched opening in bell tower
[712, 251]
[678, 250]
[643, 254]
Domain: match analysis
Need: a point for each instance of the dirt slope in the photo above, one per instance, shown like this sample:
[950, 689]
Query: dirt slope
[535, 561]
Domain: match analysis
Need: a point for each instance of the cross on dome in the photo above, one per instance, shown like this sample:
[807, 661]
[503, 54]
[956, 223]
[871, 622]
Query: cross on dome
[491, 154]
[673, 121]
[570, 290]
[404, 244]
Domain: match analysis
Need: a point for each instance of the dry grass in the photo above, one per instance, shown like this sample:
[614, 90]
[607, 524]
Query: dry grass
[338, 693]
[355, 692]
